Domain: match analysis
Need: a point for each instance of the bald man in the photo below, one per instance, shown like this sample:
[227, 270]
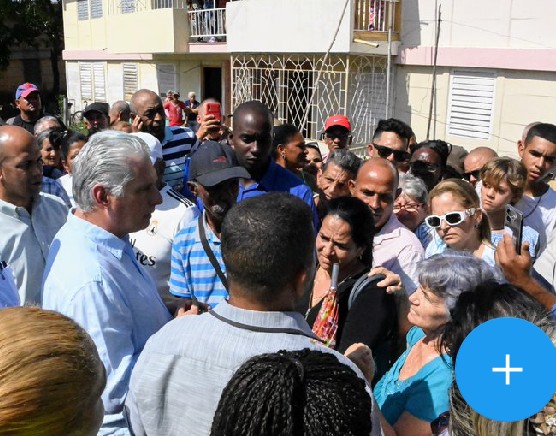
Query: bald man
[29, 218]
[395, 246]
[474, 161]
[119, 111]
[147, 115]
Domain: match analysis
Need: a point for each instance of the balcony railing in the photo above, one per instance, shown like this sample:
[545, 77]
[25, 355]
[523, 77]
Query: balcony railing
[372, 15]
[208, 25]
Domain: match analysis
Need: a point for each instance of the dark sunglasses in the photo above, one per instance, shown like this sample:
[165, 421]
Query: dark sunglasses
[399, 155]
[340, 136]
[476, 174]
[420, 166]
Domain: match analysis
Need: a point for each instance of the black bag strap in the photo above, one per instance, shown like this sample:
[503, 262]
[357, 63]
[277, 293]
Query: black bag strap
[361, 284]
[210, 253]
[252, 328]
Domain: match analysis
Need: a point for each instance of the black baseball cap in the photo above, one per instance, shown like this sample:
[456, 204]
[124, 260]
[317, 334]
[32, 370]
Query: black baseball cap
[99, 107]
[212, 163]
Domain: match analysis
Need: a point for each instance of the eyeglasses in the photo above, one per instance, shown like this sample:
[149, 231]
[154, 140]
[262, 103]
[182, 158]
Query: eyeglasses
[476, 175]
[399, 155]
[452, 218]
[420, 166]
[409, 207]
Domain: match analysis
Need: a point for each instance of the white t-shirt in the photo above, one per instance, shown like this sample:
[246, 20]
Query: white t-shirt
[67, 183]
[153, 245]
[540, 214]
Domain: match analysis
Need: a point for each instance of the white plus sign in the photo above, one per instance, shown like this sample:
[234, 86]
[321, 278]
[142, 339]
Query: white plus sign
[507, 369]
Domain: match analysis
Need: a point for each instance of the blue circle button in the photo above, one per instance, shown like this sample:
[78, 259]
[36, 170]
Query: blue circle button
[505, 369]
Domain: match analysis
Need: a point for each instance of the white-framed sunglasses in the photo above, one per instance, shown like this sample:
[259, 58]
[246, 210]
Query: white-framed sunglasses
[451, 218]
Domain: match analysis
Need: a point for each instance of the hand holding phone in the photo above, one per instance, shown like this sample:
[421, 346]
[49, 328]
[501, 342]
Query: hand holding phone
[514, 221]
[214, 109]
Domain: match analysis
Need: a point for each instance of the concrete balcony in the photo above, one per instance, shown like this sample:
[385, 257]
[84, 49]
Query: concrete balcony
[313, 26]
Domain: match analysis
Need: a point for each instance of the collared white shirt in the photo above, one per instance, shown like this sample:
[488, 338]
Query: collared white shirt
[25, 239]
[397, 249]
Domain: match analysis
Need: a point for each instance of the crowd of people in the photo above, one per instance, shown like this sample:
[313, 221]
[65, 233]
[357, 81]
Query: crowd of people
[179, 276]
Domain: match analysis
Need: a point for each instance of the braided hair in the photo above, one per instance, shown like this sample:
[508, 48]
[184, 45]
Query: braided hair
[295, 393]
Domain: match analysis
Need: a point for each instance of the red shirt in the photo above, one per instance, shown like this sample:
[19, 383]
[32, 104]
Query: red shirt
[175, 116]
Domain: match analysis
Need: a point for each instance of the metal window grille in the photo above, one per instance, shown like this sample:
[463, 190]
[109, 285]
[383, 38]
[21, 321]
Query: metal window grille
[371, 15]
[471, 104]
[351, 85]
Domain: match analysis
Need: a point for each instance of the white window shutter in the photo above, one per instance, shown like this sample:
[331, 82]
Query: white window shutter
[471, 104]
[99, 81]
[86, 80]
[166, 75]
[96, 8]
[130, 80]
[82, 9]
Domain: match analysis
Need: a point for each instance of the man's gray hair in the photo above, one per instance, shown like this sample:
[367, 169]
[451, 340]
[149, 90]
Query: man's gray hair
[40, 124]
[449, 274]
[414, 187]
[105, 160]
[344, 159]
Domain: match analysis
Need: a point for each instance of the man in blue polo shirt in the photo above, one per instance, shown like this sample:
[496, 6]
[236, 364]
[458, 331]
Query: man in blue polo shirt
[252, 143]
[197, 270]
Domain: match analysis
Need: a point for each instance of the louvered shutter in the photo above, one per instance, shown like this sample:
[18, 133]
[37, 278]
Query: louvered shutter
[99, 81]
[86, 80]
[82, 9]
[96, 8]
[166, 75]
[130, 80]
[471, 104]
[128, 6]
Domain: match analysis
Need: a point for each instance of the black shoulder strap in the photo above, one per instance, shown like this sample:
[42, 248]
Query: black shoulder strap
[361, 284]
[252, 328]
[209, 252]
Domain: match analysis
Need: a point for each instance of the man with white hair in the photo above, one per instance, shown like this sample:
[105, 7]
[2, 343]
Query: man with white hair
[191, 110]
[153, 244]
[92, 274]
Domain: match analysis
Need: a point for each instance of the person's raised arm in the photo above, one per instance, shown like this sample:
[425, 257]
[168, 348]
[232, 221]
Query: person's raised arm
[516, 269]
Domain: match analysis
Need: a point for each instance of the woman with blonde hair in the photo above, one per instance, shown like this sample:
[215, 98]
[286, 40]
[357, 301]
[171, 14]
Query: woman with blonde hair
[51, 376]
[459, 221]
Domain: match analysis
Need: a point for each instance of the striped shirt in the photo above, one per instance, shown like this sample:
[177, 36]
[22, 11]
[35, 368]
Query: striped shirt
[176, 145]
[191, 271]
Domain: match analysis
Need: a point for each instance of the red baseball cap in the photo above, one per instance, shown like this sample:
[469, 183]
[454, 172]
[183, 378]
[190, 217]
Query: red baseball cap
[337, 120]
[25, 89]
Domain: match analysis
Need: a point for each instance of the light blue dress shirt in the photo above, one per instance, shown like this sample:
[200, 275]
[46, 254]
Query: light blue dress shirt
[93, 277]
[9, 297]
[179, 378]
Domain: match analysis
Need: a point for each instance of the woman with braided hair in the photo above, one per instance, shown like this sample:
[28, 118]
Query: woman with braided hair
[294, 393]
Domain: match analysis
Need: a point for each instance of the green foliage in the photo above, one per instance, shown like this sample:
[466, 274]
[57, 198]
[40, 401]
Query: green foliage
[79, 127]
[35, 23]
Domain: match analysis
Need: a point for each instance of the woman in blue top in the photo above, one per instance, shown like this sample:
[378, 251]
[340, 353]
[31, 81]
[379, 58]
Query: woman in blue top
[414, 392]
